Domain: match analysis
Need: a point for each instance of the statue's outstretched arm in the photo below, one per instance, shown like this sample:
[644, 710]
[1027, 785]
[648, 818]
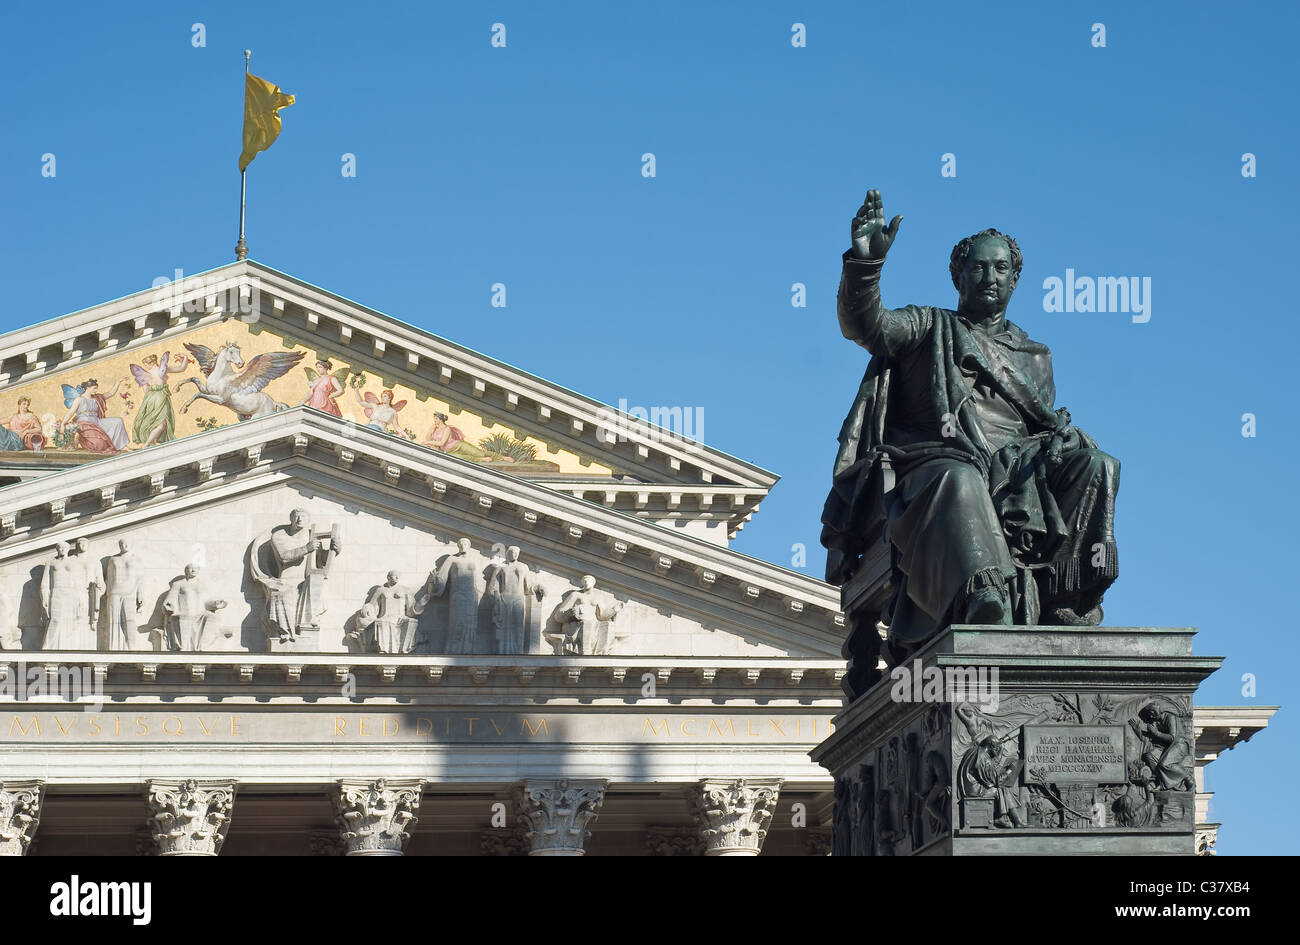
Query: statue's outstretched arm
[862, 317]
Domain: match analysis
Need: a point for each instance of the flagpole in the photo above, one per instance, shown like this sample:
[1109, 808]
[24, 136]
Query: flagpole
[241, 248]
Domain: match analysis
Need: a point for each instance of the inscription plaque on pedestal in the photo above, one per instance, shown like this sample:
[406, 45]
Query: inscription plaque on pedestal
[1074, 754]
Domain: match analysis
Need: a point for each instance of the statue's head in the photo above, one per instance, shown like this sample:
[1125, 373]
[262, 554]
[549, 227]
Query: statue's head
[123, 545]
[1149, 712]
[588, 582]
[985, 268]
[83, 544]
[512, 553]
[299, 518]
[463, 545]
[393, 578]
[191, 570]
[61, 549]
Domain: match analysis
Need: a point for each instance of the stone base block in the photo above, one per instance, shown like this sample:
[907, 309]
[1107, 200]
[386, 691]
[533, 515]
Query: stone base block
[1023, 740]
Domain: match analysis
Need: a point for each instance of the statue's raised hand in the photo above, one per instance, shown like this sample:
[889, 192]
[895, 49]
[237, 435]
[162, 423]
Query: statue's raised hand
[871, 237]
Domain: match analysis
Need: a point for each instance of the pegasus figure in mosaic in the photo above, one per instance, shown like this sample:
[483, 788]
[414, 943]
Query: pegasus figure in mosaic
[227, 381]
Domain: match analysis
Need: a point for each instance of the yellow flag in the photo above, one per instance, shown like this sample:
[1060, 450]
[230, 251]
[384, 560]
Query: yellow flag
[262, 104]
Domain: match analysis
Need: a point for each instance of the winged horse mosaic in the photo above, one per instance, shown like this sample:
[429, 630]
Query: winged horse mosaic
[225, 384]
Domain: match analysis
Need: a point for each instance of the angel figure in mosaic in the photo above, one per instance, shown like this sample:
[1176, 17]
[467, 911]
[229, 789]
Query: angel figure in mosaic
[382, 412]
[87, 414]
[325, 388]
[156, 421]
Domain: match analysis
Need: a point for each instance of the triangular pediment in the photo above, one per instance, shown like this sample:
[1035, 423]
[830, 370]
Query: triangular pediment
[440, 395]
[215, 497]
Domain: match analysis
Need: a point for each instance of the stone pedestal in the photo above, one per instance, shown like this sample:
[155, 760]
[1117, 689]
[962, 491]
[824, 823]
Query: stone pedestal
[306, 641]
[1023, 740]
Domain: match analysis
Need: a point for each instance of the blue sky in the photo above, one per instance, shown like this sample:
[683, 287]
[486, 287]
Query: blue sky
[522, 165]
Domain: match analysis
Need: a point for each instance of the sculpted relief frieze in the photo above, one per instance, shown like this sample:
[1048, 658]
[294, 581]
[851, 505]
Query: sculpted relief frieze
[897, 801]
[1070, 761]
[323, 576]
[290, 564]
[1076, 761]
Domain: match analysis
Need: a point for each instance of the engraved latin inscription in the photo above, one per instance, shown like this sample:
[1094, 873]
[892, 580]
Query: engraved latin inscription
[1074, 754]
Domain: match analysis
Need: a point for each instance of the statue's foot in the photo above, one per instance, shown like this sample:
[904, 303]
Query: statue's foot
[987, 607]
[1069, 617]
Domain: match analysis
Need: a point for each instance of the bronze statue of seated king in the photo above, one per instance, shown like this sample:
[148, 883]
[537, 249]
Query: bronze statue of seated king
[962, 494]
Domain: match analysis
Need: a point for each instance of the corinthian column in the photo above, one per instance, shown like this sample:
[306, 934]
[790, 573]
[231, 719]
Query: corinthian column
[557, 814]
[20, 813]
[189, 817]
[733, 814]
[372, 815]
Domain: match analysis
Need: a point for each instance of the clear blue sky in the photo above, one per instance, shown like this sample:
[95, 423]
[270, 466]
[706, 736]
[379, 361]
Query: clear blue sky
[522, 165]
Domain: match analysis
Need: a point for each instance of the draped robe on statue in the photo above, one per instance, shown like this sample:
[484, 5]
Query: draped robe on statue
[966, 416]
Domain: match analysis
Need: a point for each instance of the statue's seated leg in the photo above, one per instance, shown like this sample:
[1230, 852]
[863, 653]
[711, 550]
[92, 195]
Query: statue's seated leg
[1084, 484]
[950, 544]
[983, 599]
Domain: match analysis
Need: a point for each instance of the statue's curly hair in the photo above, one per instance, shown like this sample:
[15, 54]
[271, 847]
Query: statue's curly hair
[962, 250]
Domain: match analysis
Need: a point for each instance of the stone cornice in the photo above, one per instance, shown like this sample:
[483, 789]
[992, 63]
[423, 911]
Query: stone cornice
[1220, 728]
[387, 345]
[301, 443]
[145, 676]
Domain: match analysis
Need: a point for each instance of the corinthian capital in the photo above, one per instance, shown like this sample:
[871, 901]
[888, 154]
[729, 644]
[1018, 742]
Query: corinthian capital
[372, 815]
[189, 817]
[20, 812]
[1207, 835]
[733, 814]
[674, 841]
[557, 814]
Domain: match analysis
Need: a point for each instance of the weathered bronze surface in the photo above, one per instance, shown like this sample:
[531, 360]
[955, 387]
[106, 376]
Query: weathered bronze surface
[994, 507]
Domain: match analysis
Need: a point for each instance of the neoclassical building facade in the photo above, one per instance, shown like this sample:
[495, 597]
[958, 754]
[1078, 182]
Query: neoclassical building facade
[280, 574]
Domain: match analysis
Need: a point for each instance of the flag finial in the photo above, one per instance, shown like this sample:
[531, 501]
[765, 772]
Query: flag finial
[262, 103]
[241, 248]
